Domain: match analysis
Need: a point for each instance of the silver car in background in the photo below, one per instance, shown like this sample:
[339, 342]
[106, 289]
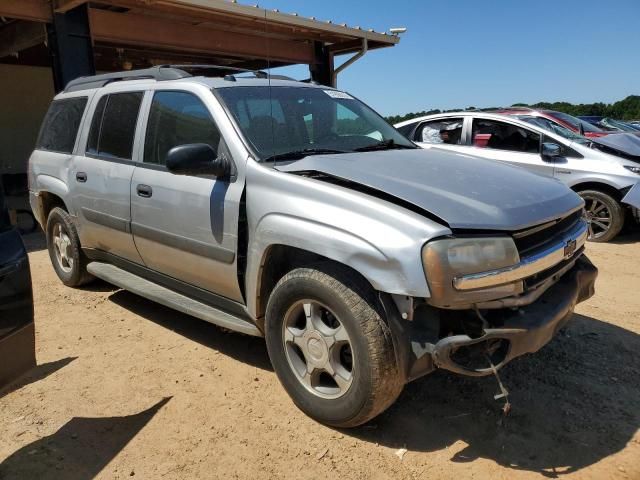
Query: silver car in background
[607, 183]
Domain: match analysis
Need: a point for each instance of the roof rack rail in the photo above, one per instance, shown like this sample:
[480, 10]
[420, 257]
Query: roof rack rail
[96, 81]
[163, 72]
[260, 74]
[203, 67]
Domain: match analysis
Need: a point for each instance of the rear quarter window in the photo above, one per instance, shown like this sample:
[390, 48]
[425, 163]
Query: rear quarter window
[60, 126]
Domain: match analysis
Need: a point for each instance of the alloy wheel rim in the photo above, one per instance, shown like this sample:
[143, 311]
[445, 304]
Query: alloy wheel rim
[318, 349]
[62, 248]
[598, 217]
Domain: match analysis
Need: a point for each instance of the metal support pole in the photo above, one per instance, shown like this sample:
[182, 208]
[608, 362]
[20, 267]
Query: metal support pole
[322, 70]
[69, 40]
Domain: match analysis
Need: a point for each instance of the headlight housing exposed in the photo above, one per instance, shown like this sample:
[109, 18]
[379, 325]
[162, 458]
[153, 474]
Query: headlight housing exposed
[448, 258]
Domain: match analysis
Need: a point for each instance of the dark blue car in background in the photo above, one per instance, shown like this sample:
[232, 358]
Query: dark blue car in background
[17, 332]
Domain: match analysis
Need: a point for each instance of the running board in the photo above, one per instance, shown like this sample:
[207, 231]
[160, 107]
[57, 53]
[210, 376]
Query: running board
[169, 298]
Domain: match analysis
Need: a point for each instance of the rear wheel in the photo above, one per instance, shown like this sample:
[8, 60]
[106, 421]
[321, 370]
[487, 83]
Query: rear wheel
[65, 252]
[330, 346]
[604, 214]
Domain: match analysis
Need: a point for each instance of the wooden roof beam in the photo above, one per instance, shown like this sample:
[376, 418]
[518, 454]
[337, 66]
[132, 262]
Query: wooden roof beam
[33, 10]
[143, 30]
[62, 6]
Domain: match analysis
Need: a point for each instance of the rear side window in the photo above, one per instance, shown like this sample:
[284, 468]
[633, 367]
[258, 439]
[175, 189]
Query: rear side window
[177, 118]
[113, 126]
[60, 127]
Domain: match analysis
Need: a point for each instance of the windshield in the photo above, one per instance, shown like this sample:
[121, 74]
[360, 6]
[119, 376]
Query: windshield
[575, 122]
[555, 128]
[618, 125]
[281, 121]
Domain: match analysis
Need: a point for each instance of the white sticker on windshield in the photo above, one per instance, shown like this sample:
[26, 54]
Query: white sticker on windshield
[338, 94]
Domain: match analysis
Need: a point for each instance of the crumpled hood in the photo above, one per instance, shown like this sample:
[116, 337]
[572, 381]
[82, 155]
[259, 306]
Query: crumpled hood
[626, 143]
[465, 191]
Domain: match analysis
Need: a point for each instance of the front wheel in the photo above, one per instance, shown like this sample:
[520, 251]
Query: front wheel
[330, 346]
[604, 215]
[65, 252]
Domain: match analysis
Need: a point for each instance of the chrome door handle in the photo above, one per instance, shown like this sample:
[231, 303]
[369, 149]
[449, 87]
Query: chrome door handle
[144, 191]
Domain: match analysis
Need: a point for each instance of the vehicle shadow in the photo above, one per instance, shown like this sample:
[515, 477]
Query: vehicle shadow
[98, 285]
[34, 242]
[244, 348]
[574, 403]
[36, 374]
[627, 237]
[79, 450]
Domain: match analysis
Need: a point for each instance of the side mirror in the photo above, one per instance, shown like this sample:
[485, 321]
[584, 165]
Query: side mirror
[197, 159]
[550, 151]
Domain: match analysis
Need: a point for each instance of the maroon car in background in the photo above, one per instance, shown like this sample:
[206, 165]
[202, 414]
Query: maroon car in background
[568, 121]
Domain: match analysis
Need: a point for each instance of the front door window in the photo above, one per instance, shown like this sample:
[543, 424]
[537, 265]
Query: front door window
[443, 131]
[177, 118]
[504, 136]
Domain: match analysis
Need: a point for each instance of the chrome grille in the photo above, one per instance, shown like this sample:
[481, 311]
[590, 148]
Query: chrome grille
[529, 240]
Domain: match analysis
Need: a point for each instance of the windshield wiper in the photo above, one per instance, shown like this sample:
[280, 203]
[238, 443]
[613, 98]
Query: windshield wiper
[384, 145]
[298, 154]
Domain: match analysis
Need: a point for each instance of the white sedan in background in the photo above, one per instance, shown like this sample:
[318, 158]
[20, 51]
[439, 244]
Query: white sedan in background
[610, 185]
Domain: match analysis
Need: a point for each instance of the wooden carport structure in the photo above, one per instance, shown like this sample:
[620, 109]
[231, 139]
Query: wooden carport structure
[79, 37]
[44, 44]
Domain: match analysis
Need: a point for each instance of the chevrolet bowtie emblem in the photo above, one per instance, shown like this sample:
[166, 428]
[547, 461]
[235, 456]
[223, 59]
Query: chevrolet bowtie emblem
[570, 248]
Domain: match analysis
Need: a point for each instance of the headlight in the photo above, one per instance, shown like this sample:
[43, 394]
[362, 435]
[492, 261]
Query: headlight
[449, 258]
[468, 255]
[634, 169]
[462, 256]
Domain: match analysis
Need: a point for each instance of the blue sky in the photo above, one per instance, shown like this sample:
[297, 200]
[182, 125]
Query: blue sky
[460, 53]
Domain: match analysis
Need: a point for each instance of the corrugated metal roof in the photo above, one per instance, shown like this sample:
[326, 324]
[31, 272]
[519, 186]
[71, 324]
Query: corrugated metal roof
[257, 12]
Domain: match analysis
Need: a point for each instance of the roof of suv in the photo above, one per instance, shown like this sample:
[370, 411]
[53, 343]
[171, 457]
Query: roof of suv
[227, 77]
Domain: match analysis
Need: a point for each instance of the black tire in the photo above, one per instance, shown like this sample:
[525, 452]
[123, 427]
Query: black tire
[612, 210]
[76, 274]
[376, 382]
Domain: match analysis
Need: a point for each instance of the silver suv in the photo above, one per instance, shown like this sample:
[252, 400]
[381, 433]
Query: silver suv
[609, 184]
[293, 211]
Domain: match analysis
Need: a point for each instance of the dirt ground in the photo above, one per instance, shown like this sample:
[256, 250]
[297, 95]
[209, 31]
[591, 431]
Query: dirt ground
[125, 388]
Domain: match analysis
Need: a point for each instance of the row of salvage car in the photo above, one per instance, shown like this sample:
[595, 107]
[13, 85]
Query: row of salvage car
[603, 169]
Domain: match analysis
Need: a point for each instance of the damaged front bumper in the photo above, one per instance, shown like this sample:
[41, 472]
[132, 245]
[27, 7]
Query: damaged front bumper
[448, 340]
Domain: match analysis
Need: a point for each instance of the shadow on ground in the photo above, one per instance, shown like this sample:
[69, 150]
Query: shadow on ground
[36, 374]
[628, 236]
[574, 403]
[244, 348]
[34, 242]
[79, 450]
